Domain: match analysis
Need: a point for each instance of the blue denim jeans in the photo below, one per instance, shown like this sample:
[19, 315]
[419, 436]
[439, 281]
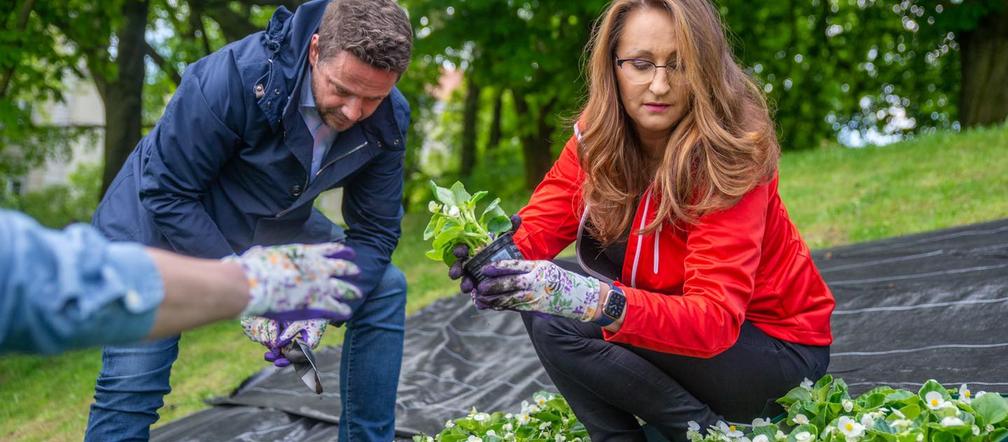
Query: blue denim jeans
[134, 379]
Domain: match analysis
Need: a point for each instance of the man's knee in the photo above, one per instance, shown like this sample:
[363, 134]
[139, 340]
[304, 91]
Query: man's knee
[386, 304]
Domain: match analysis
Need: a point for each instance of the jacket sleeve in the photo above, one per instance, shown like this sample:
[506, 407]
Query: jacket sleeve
[722, 256]
[61, 290]
[550, 219]
[372, 209]
[193, 140]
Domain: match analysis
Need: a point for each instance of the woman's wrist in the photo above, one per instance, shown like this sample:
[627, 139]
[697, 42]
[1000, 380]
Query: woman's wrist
[602, 296]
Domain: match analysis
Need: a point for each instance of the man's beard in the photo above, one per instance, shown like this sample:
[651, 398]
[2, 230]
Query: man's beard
[333, 118]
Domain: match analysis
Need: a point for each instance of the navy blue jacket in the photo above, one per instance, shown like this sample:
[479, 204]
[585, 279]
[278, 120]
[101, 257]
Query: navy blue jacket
[227, 165]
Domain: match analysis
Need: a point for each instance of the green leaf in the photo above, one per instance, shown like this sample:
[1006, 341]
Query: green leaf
[444, 196]
[478, 196]
[898, 396]
[933, 385]
[797, 394]
[459, 192]
[433, 254]
[991, 408]
[432, 226]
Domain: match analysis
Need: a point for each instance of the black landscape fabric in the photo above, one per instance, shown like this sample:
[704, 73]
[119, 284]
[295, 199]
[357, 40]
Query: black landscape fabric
[911, 308]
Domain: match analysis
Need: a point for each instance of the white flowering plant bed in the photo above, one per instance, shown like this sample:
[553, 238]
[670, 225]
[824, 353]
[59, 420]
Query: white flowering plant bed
[547, 419]
[454, 221]
[824, 411]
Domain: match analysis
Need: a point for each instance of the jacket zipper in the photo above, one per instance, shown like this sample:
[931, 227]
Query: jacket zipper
[319, 172]
[577, 251]
[640, 239]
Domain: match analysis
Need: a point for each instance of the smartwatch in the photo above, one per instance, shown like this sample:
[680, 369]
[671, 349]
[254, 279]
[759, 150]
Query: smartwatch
[613, 308]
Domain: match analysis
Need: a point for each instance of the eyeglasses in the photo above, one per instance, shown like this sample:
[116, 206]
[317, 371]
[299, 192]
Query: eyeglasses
[640, 71]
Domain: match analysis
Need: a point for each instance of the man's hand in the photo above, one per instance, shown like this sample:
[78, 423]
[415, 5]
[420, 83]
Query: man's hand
[539, 286]
[278, 337]
[298, 282]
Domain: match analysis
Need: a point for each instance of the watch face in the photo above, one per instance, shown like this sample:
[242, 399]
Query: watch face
[614, 305]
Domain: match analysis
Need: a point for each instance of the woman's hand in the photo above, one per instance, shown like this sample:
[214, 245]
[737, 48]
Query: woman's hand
[539, 286]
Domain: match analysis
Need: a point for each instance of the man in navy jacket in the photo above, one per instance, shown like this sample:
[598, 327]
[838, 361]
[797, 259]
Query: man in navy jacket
[253, 134]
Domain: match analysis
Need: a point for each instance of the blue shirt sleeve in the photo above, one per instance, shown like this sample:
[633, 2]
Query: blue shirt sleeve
[61, 290]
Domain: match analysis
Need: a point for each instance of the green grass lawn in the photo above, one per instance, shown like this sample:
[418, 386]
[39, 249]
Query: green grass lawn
[835, 195]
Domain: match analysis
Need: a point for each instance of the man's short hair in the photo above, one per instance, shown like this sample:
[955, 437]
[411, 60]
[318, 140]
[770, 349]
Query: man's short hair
[376, 31]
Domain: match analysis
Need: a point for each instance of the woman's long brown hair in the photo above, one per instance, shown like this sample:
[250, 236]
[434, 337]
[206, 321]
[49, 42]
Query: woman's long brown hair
[722, 148]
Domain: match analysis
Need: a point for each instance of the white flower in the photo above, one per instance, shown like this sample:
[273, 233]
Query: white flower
[976, 430]
[761, 438]
[920, 437]
[803, 436]
[934, 400]
[560, 438]
[850, 428]
[729, 430]
[491, 433]
[951, 421]
[452, 211]
[509, 416]
[474, 439]
[449, 424]
[901, 424]
[964, 394]
[867, 420]
[480, 417]
[508, 427]
[544, 425]
[540, 401]
[800, 419]
[760, 422]
[848, 405]
[780, 435]
[523, 419]
[807, 384]
[429, 439]
[433, 207]
[989, 428]
[693, 426]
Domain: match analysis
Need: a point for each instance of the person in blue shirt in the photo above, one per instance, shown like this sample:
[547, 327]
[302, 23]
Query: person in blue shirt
[63, 290]
[254, 132]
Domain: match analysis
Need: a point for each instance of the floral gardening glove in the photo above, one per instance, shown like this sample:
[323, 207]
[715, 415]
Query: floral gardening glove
[539, 286]
[461, 252]
[298, 282]
[278, 336]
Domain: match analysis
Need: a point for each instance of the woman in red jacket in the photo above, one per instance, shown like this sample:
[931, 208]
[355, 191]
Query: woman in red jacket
[698, 299]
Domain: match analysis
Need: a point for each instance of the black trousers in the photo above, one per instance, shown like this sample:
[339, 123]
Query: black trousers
[607, 384]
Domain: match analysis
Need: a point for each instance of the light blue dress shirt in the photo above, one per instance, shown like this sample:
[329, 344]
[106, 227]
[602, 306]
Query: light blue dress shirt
[322, 134]
[61, 290]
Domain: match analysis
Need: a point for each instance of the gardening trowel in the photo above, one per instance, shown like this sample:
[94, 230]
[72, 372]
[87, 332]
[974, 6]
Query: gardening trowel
[303, 359]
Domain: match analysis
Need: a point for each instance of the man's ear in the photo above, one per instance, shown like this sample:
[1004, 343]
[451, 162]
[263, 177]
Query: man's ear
[313, 50]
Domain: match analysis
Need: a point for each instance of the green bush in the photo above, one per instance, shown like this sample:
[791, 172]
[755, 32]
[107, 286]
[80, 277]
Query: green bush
[60, 205]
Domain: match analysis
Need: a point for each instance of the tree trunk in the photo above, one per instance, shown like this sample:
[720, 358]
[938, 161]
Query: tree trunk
[469, 122]
[983, 92]
[495, 120]
[536, 145]
[123, 93]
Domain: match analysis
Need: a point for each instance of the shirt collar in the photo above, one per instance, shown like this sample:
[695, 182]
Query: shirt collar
[307, 99]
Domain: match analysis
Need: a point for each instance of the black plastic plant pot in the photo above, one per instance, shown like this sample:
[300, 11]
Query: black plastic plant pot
[500, 249]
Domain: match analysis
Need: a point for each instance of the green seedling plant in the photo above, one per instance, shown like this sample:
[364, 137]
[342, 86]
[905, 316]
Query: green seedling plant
[454, 221]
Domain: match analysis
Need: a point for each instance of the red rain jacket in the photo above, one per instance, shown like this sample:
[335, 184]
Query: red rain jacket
[688, 292]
